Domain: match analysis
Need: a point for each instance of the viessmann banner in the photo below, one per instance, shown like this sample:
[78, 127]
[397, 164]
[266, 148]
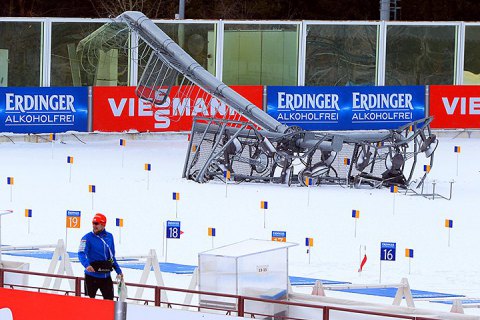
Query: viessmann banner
[43, 110]
[119, 109]
[346, 108]
[455, 107]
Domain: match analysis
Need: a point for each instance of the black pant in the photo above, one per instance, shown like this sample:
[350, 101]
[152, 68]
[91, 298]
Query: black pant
[105, 285]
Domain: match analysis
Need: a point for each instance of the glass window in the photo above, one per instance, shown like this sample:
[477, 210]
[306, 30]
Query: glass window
[420, 55]
[20, 54]
[341, 55]
[81, 57]
[197, 39]
[260, 54]
[471, 70]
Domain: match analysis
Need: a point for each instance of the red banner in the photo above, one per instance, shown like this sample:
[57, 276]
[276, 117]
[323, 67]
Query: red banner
[118, 109]
[19, 304]
[455, 107]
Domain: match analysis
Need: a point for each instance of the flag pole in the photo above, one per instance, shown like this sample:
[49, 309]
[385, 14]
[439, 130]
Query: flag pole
[380, 277]
[264, 218]
[393, 203]
[449, 237]
[457, 163]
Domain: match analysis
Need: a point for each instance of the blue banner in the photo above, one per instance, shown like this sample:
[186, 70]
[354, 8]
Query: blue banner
[346, 108]
[43, 110]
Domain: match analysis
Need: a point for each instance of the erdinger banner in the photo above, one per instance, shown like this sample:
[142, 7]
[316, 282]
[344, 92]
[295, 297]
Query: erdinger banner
[455, 107]
[42, 110]
[119, 109]
[346, 108]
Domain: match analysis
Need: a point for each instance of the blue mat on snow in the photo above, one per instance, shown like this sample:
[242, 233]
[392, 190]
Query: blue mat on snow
[390, 293]
[164, 267]
[466, 301]
[40, 254]
[44, 254]
[295, 281]
[302, 281]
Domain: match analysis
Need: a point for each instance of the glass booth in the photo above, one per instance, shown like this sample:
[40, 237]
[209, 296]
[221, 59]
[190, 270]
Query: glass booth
[253, 268]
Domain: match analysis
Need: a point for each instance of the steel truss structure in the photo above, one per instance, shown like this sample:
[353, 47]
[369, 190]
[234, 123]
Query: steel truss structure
[253, 146]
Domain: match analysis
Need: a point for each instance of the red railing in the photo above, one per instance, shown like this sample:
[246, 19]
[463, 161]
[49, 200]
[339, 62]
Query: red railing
[238, 308]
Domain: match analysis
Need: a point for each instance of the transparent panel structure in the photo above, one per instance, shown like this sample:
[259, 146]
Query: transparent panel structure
[20, 54]
[199, 40]
[420, 54]
[262, 54]
[254, 268]
[74, 64]
[341, 55]
[471, 69]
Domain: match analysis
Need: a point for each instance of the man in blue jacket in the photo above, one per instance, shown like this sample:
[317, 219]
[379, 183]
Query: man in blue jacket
[97, 254]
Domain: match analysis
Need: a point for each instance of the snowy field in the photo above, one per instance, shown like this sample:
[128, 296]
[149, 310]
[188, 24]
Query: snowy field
[41, 183]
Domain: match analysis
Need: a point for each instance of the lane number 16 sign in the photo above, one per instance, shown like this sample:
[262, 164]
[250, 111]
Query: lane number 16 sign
[388, 251]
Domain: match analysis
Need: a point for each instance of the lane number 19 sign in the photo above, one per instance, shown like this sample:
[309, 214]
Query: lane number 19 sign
[73, 219]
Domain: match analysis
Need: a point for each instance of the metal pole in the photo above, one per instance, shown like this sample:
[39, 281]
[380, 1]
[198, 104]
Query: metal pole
[1, 263]
[385, 10]
[181, 9]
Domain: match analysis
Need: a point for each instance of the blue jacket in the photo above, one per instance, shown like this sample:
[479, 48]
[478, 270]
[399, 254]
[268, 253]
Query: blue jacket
[92, 248]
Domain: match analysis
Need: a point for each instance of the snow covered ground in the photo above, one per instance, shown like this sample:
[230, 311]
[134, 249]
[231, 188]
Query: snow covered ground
[41, 183]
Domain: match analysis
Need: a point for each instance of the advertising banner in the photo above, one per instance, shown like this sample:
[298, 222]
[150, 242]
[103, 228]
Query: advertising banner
[19, 304]
[118, 109]
[455, 107]
[346, 108]
[43, 110]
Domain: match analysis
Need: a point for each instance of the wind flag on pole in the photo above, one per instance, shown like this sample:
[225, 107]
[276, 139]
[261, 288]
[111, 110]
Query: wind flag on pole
[123, 143]
[11, 181]
[264, 206]
[70, 161]
[393, 189]
[409, 254]
[119, 224]
[176, 198]
[92, 190]
[308, 183]
[28, 214]
[211, 232]
[309, 244]
[356, 216]
[362, 264]
[226, 175]
[148, 168]
[456, 149]
[449, 225]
